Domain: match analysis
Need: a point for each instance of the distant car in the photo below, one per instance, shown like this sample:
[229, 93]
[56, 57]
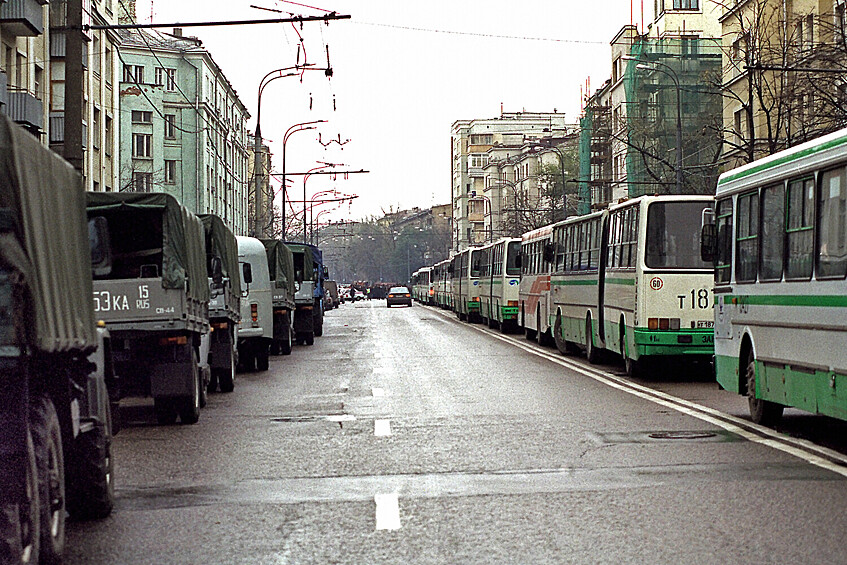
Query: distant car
[398, 295]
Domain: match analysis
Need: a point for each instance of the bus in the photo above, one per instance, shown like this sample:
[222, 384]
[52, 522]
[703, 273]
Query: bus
[422, 289]
[537, 255]
[441, 283]
[779, 245]
[500, 284]
[631, 280]
[465, 284]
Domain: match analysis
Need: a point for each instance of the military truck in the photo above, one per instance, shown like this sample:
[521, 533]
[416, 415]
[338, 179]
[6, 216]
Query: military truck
[309, 274]
[155, 300]
[55, 363]
[224, 301]
[255, 332]
[281, 267]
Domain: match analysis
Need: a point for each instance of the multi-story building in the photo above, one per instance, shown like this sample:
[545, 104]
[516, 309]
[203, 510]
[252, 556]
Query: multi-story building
[784, 68]
[24, 57]
[101, 104]
[471, 142]
[183, 127]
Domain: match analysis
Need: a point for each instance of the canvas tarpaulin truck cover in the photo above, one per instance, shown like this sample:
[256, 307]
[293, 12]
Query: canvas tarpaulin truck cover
[280, 264]
[181, 239]
[224, 245]
[308, 259]
[47, 202]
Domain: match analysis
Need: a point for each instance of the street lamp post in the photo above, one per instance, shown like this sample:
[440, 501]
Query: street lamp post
[305, 201]
[288, 133]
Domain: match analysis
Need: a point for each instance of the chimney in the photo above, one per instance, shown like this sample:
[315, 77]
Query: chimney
[123, 17]
[177, 32]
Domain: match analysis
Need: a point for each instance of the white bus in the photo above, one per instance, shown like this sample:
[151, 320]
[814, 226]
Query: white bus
[464, 284]
[441, 282]
[422, 289]
[537, 255]
[781, 296]
[499, 283]
[630, 280]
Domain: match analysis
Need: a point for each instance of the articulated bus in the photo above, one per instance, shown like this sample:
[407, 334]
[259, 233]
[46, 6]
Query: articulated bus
[780, 251]
[537, 255]
[465, 284]
[422, 289]
[441, 284]
[499, 283]
[630, 280]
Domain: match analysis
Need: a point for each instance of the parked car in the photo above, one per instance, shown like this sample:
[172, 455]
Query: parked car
[398, 295]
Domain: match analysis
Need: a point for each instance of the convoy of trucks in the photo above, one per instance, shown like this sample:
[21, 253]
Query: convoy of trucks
[106, 296]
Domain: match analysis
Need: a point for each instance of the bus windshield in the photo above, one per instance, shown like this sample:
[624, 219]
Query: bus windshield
[512, 254]
[673, 235]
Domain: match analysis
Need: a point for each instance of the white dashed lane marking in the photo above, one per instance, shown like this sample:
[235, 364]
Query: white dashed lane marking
[387, 511]
[382, 428]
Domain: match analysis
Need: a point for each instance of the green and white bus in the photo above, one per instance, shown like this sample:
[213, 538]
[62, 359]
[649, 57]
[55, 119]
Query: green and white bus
[499, 282]
[780, 251]
[631, 280]
[464, 284]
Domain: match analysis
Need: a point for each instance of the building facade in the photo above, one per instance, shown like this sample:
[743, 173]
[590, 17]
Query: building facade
[183, 127]
[471, 141]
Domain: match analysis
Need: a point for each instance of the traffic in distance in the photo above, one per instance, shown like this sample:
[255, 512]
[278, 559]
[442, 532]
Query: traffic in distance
[139, 298]
[752, 281]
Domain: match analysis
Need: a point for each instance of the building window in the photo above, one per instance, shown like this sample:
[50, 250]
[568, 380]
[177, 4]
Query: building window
[96, 133]
[134, 73]
[170, 126]
[142, 145]
[166, 77]
[170, 171]
[142, 117]
[142, 182]
[686, 4]
[108, 136]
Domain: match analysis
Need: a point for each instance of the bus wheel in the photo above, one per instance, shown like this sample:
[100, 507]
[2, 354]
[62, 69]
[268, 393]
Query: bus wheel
[762, 411]
[561, 345]
[592, 354]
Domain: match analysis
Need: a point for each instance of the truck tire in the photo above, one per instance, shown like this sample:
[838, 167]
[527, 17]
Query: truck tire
[319, 326]
[20, 527]
[226, 377]
[92, 494]
[189, 406]
[285, 347]
[262, 359]
[49, 462]
[310, 338]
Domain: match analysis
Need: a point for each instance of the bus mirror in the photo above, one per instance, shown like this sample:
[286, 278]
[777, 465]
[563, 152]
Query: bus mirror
[519, 260]
[101, 247]
[708, 243]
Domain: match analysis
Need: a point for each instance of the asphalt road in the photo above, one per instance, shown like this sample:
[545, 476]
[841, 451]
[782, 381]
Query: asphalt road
[405, 436]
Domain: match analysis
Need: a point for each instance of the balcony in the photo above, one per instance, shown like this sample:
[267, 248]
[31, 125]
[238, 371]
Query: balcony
[22, 18]
[26, 109]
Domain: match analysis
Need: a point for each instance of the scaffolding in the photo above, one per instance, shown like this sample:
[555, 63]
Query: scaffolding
[672, 89]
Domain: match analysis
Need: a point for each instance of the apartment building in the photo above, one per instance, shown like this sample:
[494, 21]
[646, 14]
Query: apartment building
[183, 127]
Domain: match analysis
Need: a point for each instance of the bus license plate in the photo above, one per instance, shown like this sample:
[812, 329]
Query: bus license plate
[706, 324]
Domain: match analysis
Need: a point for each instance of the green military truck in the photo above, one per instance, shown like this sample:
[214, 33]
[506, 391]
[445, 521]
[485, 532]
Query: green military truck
[281, 267]
[55, 363]
[225, 301]
[155, 300]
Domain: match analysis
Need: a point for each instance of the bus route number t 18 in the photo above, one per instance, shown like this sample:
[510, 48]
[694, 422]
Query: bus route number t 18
[697, 299]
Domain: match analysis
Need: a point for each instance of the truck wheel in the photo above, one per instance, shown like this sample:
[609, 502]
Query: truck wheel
[93, 493]
[20, 525]
[204, 385]
[319, 326]
[165, 410]
[213, 381]
[310, 338]
[49, 462]
[189, 406]
[262, 363]
[285, 348]
[226, 376]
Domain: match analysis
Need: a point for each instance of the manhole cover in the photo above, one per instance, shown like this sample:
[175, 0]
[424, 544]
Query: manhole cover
[682, 435]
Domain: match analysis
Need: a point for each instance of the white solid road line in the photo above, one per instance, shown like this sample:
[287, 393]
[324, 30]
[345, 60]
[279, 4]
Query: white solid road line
[382, 428]
[387, 511]
[802, 449]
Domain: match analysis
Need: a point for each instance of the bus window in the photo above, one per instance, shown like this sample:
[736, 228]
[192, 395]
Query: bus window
[801, 205]
[747, 242]
[673, 238]
[832, 252]
[512, 253]
[723, 225]
[773, 232]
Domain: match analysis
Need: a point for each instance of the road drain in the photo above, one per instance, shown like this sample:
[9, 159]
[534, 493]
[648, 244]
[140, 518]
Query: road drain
[682, 435]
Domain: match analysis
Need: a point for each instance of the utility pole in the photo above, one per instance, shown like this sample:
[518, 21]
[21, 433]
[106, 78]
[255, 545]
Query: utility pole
[73, 143]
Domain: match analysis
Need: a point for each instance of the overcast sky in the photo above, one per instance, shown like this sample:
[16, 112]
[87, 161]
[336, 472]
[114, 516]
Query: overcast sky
[403, 73]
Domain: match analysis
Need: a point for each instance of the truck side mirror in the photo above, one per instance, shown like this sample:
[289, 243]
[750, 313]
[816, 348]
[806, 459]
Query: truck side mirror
[708, 243]
[246, 273]
[101, 247]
